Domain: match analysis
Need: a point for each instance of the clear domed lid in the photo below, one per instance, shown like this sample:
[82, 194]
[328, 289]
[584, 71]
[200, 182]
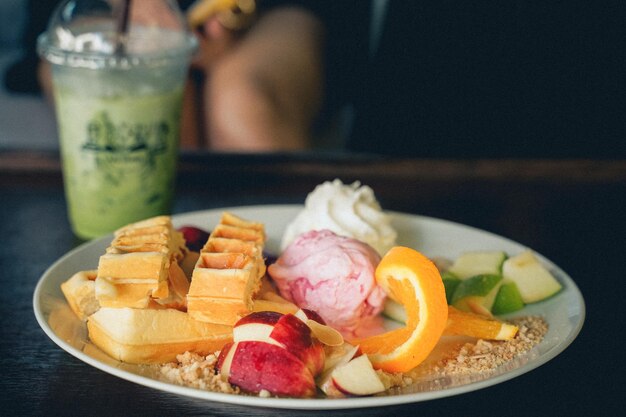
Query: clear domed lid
[116, 33]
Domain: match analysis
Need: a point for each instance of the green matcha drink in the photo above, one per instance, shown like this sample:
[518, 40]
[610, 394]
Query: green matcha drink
[118, 104]
[119, 157]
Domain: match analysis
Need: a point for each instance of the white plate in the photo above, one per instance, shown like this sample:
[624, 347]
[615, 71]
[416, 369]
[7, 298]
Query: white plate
[564, 313]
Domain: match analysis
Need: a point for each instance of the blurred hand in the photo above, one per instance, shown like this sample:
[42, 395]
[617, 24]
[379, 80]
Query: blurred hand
[214, 42]
[263, 88]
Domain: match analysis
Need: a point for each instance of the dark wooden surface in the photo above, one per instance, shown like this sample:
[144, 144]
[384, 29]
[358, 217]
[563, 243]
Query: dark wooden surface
[573, 212]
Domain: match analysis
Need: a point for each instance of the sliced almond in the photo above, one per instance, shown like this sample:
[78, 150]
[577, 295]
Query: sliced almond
[272, 296]
[325, 334]
[279, 307]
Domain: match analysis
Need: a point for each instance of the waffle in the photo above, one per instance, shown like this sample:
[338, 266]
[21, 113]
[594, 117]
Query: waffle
[228, 272]
[135, 270]
[79, 291]
[153, 335]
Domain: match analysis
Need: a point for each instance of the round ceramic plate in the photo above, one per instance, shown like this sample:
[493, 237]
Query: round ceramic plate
[435, 238]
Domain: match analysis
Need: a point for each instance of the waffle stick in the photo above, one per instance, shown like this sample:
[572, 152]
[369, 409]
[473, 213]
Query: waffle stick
[158, 230]
[228, 272]
[153, 335]
[230, 219]
[80, 293]
[137, 265]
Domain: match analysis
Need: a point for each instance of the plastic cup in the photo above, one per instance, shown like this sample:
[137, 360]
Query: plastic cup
[118, 103]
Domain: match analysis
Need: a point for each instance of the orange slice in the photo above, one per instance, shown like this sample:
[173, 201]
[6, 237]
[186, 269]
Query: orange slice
[473, 325]
[412, 280]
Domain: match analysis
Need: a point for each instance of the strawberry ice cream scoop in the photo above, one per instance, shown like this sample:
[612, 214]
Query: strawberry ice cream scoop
[333, 276]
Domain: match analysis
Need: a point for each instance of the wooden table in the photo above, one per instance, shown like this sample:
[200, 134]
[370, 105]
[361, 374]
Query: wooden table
[570, 211]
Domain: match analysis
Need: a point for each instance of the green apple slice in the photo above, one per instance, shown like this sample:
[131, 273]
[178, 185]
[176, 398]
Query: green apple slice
[508, 299]
[450, 283]
[477, 294]
[470, 264]
[534, 281]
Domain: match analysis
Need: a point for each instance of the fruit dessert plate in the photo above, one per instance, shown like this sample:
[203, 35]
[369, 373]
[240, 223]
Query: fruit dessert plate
[563, 312]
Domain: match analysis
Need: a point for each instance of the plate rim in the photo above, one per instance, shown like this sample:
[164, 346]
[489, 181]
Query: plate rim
[315, 403]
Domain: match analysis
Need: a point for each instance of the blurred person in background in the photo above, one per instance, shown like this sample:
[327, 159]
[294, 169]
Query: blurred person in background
[441, 79]
[417, 79]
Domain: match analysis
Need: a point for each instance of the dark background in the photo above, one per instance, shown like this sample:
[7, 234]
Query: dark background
[486, 79]
[521, 110]
[571, 212]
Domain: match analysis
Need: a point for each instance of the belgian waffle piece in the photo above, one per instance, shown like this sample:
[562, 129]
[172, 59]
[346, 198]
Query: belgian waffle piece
[80, 293]
[228, 272]
[153, 336]
[135, 270]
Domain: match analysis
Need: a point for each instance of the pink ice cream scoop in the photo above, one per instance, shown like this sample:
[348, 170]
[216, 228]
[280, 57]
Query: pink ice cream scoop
[333, 276]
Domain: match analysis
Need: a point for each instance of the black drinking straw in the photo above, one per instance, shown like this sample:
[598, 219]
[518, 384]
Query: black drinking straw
[122, 27]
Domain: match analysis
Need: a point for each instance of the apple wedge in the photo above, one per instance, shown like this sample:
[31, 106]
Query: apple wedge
[324, 381]
[285, 331]
[450, 283]
[357, 377]
[508, 299]
[474, 263]
[255, 366]
[533, 280]
[225, 359]
[477, 294]
[256, 326]
[295, 336]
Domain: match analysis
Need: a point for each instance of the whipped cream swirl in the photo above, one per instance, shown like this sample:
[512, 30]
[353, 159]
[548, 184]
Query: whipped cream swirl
[347, 210]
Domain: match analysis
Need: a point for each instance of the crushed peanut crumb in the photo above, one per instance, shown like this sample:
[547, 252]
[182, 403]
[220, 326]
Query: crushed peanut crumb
[196, 371]
[486, 356]
[477, 357]
[482, 357]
